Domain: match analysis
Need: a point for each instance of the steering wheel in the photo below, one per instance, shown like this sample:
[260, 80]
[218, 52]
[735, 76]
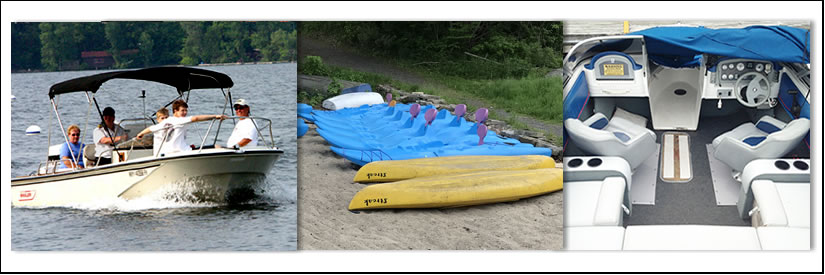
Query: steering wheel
[756, 92]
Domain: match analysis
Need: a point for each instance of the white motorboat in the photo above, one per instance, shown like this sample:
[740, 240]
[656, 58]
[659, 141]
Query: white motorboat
[688, 138]
[204, 174]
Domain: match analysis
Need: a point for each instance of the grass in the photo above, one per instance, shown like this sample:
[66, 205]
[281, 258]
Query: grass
[538, 97]
[533, 95]
[313, 65]
[516, 124]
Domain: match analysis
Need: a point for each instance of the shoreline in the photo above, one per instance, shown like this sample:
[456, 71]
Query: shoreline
[25, 71]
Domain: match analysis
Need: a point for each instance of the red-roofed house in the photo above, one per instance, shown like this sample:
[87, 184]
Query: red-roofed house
[102, 59]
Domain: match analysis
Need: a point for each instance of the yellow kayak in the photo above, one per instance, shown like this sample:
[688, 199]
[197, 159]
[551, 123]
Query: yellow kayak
[459, 189]
[394, 170]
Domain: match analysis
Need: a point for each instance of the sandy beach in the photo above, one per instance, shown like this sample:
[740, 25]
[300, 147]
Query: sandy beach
[325, 189]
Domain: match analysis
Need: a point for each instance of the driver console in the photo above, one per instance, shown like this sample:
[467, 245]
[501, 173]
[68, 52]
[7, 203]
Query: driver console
[751, 82]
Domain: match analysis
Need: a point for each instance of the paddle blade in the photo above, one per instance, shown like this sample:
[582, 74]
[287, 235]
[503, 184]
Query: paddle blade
[414, 109]
[430, 115]
[460, 110]
[482, 132]
[481, 115]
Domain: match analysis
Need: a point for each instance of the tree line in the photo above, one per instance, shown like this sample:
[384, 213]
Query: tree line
[54, 46]
[468, 49]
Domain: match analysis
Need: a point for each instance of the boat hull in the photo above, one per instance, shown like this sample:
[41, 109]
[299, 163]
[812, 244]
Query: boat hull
[219, 175]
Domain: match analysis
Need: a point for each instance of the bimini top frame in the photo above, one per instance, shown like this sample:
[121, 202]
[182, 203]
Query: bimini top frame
[182, 78]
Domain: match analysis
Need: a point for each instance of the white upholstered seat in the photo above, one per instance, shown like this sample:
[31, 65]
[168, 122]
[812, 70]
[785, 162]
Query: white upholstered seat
[768, 138]
[616, 137]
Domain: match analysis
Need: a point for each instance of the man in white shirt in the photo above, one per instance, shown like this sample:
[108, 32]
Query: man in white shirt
[106, 136]
[176, 133]
[245, 133]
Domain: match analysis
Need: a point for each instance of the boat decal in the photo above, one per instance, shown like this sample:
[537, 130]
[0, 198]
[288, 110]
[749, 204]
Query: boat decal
[138, 173]
[378, 200]
[27, 195]
[370, 175]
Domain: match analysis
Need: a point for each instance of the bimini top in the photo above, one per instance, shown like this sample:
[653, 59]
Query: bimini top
[772, 43]
[182, 78]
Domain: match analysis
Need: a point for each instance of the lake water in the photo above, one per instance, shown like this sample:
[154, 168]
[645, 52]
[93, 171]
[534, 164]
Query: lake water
[268, 223]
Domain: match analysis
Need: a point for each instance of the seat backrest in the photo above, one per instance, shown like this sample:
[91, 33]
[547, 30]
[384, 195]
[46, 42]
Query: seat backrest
[579, 130]
[787, 138]
[89, 154]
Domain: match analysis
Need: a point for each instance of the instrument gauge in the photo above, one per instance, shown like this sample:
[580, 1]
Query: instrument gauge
[759, 67]
[725, 67]
[724, 77]
[740, 67]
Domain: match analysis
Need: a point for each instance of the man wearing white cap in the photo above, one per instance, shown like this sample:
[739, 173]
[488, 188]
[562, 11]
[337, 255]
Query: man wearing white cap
[245, 133]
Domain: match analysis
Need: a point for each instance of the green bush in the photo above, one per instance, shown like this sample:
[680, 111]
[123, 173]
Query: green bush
[313, 65]
[188, 61]
[507, 49]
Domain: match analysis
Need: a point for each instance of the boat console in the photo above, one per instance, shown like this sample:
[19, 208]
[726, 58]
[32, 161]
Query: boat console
[619, 69]
[751, 82]
[675, 95]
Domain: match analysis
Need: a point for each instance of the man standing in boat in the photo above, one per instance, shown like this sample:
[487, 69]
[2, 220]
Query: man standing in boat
[176, 135]
[245, 132]
[106, 138]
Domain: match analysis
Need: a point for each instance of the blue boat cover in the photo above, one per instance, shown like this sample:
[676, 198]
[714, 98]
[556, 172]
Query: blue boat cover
[680, 46]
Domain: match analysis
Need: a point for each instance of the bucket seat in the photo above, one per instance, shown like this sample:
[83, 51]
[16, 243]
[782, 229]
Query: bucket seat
[768, 138]
[615, 137]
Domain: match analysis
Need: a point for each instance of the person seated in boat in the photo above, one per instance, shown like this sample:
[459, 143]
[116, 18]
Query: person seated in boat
[157, 129]
[245, 132]
[71, 153]
[106, 136]
[176, 135]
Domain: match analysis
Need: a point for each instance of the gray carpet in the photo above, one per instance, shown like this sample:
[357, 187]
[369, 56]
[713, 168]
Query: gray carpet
[693, 202]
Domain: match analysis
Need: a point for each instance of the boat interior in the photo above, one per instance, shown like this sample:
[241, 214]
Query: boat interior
[669, 157]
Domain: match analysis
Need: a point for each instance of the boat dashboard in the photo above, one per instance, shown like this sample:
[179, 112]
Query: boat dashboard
[621, 74]
[744, 79]
[612, 69]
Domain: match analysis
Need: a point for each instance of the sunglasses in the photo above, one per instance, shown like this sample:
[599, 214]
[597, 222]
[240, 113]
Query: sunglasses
[239, 107]
[75, 135]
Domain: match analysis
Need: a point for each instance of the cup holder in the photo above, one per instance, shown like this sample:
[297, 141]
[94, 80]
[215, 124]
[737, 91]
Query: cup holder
[575, 163]
[801, 165]
[781, 165]
[594, 162]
